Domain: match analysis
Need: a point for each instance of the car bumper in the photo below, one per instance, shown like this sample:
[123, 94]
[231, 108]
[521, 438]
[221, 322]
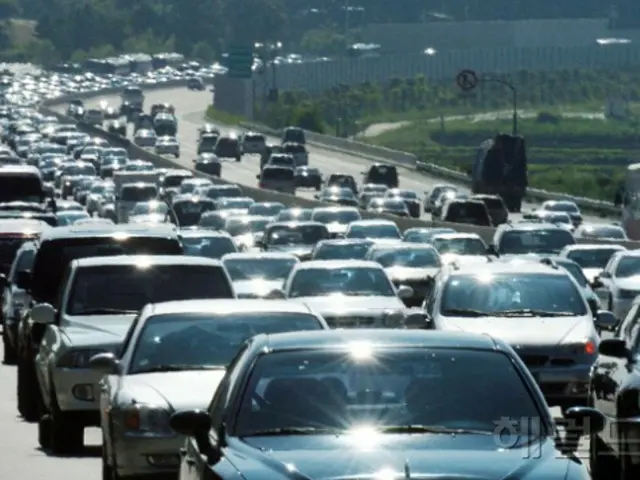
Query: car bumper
[563, 386]
[77, 389]
[252, 149]
[308, 181]
[138, 455]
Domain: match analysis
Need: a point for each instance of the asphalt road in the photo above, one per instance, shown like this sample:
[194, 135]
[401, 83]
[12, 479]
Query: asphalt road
[190, 107]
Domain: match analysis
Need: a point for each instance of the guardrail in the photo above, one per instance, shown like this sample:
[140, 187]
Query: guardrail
[410, 161]
[486, 233]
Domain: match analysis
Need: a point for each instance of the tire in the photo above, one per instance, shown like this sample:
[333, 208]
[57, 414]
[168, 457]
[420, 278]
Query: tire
[44, 432]
[29, 397]
[10, 354]
[66, 434]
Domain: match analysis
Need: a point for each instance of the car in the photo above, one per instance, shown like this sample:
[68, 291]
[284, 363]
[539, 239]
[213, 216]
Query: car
[216, 220]
[69, 217]
[167, 145]
[152, 211]
[565, 206]
[376, 398]
[195, 83]
[341, 249]
[377, 230]
[246, 230]
[194, 186]
[339, 195]
[99, 300]
[388, 206]
[466, 247]
[171, 181]
[216, 192]
[234, 203]
[343, 180]
[207, 143]
[294, 214]
[431, 197]
[348, 293]
[382, 174]
[423, 234]
[278, 179]
[473, 212]
[370, 191]
[228, 147]
[266, 209]
[297, 238]
[253, 143]
[145, 138]
[186, 210]
[56, 248]
[408, 264]
[308, 177]
[600, 231]
[256, 275]
[536, 307]
[409, 197]
[293, 135]
[592, 258]
[496, 207]
[337, 219]
[201, 242]
[171, 347]
[530, 238]
[619, 282]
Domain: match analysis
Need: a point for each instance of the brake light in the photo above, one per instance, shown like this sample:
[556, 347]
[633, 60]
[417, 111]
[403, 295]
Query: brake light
[589, 348]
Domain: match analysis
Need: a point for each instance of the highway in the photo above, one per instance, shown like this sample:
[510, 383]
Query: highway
[190, 107]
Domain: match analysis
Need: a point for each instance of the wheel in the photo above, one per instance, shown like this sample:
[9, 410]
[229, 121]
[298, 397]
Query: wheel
[29, 398]
[44, 432]
[10, 354]
[66, 434]
[318, 187]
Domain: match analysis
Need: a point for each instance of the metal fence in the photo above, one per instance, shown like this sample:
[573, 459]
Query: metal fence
[319, 76]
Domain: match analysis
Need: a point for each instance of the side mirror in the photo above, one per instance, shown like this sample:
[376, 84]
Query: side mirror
[584, 421]
[43, 314]
[196, 424]
[614, 347]
[23, 279]
[404, 291]
[605, 320]
[275, 294]
[491, 250]
[596, 283]
[418, 321]
[105, 363]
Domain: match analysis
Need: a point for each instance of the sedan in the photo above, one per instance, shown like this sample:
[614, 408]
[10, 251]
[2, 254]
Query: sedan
[170, 349]
[367, 404]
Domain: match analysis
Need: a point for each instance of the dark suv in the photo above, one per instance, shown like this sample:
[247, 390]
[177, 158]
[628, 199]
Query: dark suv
[382, 174]
[228, 147]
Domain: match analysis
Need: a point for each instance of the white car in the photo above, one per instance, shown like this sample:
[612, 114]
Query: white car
[145, 138]
[348, 293]
[619, 283]
[253, 143]
[167, 146]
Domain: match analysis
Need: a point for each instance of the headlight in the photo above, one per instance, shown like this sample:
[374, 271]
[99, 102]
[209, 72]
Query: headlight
[147, 419]
[78, 358]
[627, 294]
[393, 319]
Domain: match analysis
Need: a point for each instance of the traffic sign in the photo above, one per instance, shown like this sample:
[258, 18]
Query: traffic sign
[240, 63]
[467, 80]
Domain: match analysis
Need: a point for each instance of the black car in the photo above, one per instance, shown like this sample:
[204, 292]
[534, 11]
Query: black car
[417, 400]
[308, 177]
[338, 195]
[117, 128]
[187, 209]
[344, 181]
[195, 83]
[228, 147]
[382, 174]
[208, 163]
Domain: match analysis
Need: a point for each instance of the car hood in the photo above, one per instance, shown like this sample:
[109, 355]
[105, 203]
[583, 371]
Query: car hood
[628, 283]
[256, 288]
[527, 331]
[338, 304]
[175, 389]
[433, 457]
[398, 274]
[96, 329]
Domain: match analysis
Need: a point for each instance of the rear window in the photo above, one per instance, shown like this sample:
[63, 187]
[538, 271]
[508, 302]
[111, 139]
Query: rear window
[126, 287]
[54, 256]
[468, 212]
[382, 174]
[224, 192]
[26, 188]
[278, 174]
[138, 194]
[9, 245]
[294, 135]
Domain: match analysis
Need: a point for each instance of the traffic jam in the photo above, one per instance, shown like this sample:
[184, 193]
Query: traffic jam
[177, 314]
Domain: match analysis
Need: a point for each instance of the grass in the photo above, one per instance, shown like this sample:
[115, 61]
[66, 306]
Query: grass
[223, 117]
[21, 31]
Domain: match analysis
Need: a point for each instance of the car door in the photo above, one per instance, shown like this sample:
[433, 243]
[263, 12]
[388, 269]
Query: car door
[606, 278]
[612, 375]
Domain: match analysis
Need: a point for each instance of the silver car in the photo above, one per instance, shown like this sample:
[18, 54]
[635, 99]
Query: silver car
[167, 146]
[536, 307]
[173, 359]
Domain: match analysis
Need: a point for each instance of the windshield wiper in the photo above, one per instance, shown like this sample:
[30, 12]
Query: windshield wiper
[176, 368]
[528, 312]
[274, 432]
[437, 429]
[105, 311]
[465, 312]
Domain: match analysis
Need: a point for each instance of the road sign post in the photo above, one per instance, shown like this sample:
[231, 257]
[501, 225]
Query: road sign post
[240, 61]
[467, 80]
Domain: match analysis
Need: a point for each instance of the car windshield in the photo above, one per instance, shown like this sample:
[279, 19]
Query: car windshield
[425, 236]
[387, 390]
[128, 288]
[604, 232]
[419, 257]
[294, 215]
[264, 268]
[336, 216]
[266, 209]
[149, 208]
[188, 212]
[460, 246]
[576, 272]
[592, 258]
[211, 247]
[236, 227]
[348, 281]
[77, 170]
[628, 266]
[9, 245]
[172, 181]
[518, 294]
[223, 192]
[562, 207]
[296, 235]
[135, 193]
[234, 203]
[342, 251]
[206, 340]
[102, 189]
[374, 231]
[535, 241]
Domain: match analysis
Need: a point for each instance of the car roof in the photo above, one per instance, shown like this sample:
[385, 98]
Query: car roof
[378, 338]
[22, 225]
[146, 260]
[107, 230]
[202, 233]
[372, 221]
[594, 246]
[528, 226]
[513, 265]
[226, 306]
[329, 264]
[258, 256]
[453, 236]
[294, 223]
